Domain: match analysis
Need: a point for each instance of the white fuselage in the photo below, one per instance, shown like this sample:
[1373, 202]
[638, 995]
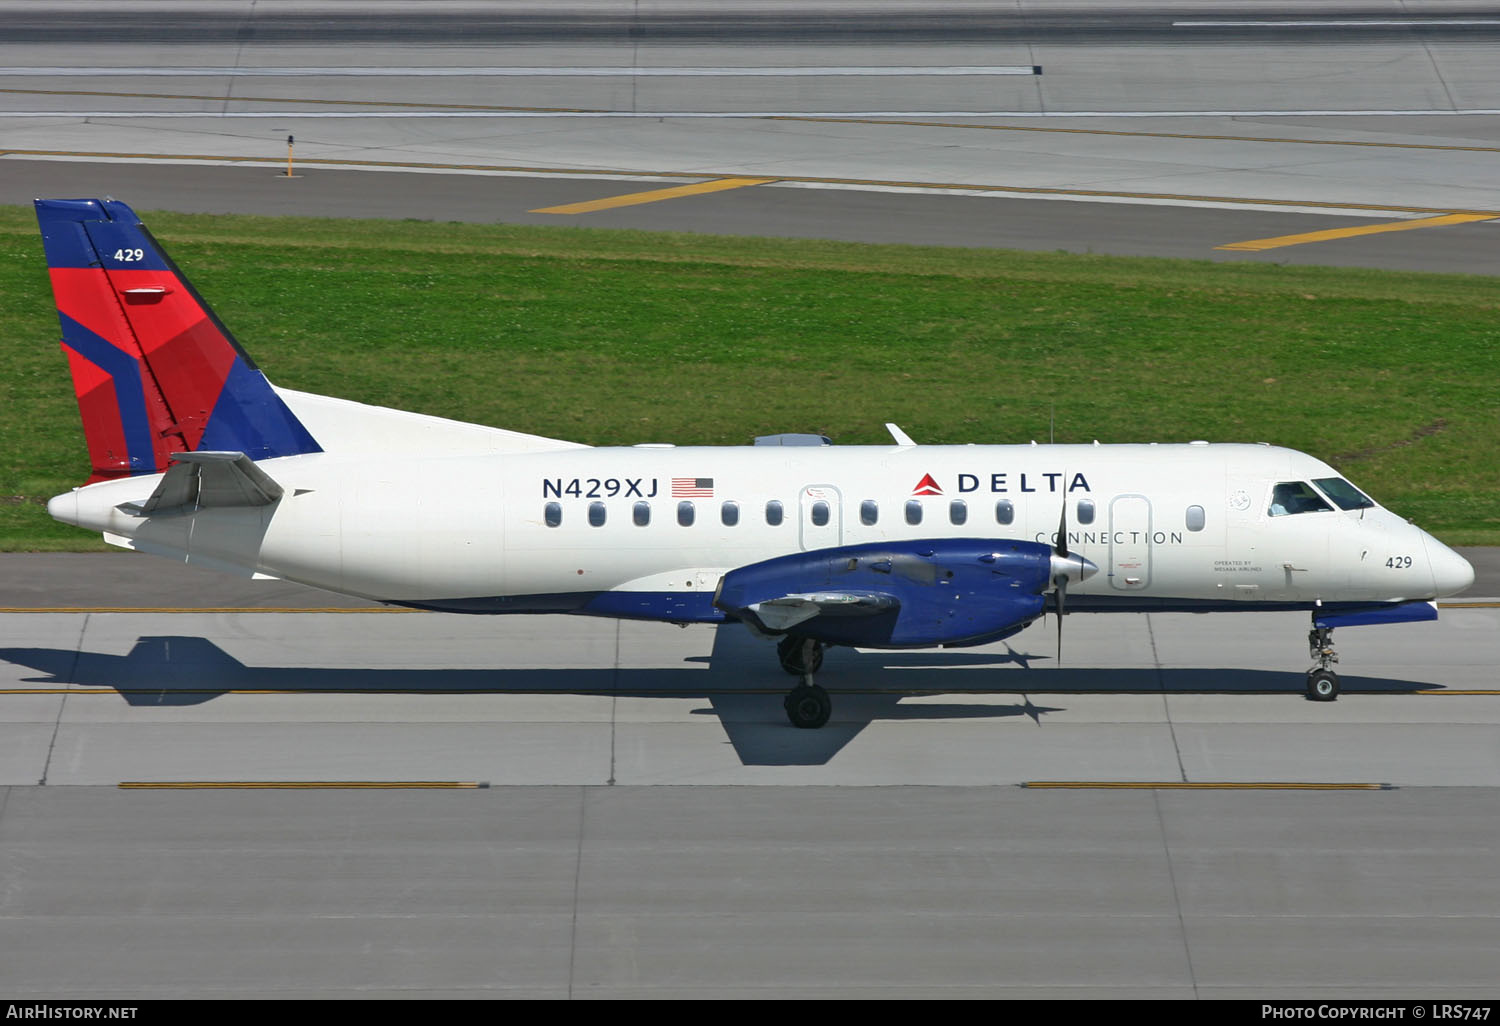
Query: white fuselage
[1167, 525]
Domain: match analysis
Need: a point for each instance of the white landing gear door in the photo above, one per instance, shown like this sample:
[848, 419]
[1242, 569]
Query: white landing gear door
[819, 517]
[1130, 543]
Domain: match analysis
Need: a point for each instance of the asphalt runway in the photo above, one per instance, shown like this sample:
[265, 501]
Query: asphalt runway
[620, 810]
[1086, 126]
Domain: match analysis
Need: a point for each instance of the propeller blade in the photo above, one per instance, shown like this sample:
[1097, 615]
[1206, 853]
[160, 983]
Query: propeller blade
[1062, 597]
[1060, 580]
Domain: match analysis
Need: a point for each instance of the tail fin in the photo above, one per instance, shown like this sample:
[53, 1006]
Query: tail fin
[155, 371]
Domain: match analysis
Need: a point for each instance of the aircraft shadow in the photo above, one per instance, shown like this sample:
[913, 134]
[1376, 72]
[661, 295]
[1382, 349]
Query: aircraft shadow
[741, 683]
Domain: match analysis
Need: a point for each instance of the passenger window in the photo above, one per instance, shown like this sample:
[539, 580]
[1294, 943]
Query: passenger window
[958, 512]
[642, 514]
[553, 514]
[1005, 512]
[685, 514]
[1292, 497]
[596, 514]
[913, 511]
[729, 513]
[1195, 519]
[1085, 511]
[869, 512]
[773, 513]
[820, 514]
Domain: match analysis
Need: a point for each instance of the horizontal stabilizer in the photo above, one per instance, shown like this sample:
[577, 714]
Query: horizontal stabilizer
[783, 613]
[204, 479]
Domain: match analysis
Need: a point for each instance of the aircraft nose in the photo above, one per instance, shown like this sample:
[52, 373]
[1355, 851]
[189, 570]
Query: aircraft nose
[1451, 573]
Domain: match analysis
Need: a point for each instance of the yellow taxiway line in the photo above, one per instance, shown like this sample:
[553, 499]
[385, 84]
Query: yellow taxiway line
[653, 196]
[206, 609]
[1185, 785]
[7, 610]
[1256, 245]
[301, 785]
[111, 690]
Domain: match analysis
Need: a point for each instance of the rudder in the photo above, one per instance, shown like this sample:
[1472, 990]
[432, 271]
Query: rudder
[154, 369]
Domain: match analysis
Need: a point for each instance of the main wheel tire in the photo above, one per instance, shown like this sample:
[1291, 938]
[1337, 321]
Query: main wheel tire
[789, 651]
[808, 706]
[1322, 685]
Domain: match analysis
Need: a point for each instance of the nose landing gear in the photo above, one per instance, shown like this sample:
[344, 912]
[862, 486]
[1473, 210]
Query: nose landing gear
[800, 656]
[1322, 682]
[807, 705]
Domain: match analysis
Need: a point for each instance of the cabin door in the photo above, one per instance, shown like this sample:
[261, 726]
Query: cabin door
[1130, 543]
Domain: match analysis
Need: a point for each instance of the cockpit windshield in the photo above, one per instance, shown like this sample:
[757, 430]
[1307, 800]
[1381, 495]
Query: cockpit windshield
[1291, 497]
[1342, 492]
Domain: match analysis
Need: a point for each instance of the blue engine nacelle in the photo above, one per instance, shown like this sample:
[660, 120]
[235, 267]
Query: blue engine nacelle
[954, 591]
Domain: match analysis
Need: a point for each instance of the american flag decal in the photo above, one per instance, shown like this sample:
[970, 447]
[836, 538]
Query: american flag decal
[692, 488]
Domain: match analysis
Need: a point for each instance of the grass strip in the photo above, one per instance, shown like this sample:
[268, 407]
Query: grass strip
[617, 337]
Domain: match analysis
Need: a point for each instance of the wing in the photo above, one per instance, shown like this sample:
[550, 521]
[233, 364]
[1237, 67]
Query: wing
[895, 594]
[779, 614]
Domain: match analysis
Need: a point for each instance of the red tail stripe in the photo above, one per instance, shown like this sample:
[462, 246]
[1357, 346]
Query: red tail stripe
[186, 356]
[102, 430]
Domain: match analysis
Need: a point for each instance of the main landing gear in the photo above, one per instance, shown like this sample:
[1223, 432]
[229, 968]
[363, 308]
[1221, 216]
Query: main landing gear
[807, 705]
[1322, 682]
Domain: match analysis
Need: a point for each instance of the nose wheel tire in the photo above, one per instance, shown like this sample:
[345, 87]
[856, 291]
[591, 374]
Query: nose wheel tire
[808, 706]
[1322, 685]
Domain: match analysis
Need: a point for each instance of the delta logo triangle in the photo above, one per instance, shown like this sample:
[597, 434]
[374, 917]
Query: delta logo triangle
[927, 486]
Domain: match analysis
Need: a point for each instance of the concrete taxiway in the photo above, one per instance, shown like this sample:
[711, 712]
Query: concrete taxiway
[241, 800]
[119, 690]
[101, 698]
[705, 891]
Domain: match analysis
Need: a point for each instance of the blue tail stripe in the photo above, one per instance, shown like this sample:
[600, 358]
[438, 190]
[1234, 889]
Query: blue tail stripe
[249, 417]
[130, 398]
